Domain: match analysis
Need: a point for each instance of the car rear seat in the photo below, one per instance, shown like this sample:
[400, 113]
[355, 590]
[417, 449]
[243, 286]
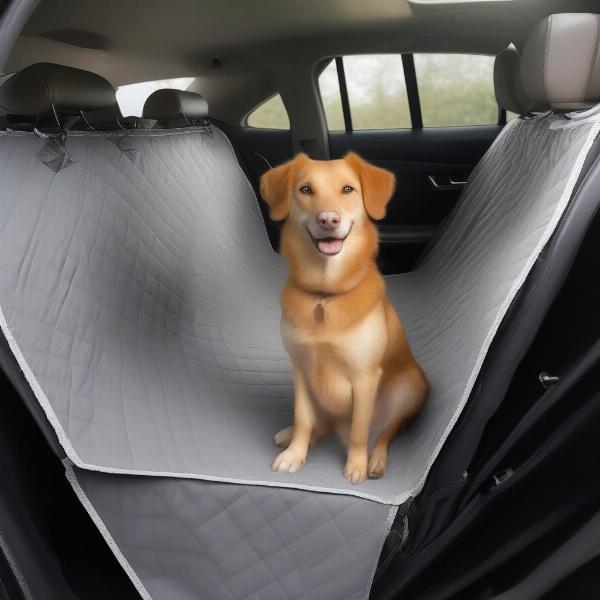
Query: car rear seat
[139, 297]
[171, 108]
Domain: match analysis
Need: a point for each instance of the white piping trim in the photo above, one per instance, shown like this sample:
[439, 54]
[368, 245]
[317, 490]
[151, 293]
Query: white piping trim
[72, 478]
[255, 482]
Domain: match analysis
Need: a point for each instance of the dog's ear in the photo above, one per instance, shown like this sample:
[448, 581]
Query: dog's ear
[276, 187]
[377, 185]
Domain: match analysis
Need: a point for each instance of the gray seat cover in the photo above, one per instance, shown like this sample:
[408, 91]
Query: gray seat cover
[139, 294]
[182, 539]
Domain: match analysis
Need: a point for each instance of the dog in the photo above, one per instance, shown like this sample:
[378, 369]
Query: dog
[354, 372]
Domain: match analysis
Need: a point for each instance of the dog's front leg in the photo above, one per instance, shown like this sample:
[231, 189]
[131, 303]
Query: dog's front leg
[291, 459]
[364, 389]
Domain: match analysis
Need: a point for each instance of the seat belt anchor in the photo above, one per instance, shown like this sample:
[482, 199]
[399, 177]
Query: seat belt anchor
[548, 380]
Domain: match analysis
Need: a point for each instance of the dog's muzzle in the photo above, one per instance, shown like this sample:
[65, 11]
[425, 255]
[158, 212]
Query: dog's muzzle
[329, 241]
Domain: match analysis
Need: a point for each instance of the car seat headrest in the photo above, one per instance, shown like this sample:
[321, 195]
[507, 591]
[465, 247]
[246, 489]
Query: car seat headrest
[110, 119]
[43, 88]
[508, 86]
[172, 106]
[560, 64]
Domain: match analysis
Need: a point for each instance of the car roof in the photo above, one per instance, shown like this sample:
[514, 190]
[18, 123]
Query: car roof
[240, 50]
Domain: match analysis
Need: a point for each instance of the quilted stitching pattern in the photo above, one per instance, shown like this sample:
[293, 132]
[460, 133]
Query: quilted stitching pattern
[142, 291]
[190, 539]
[139, 285]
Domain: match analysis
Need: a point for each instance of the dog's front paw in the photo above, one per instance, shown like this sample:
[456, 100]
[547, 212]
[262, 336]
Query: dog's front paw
[356, 469]
[283, 438]
[377, 464]
[289, 461]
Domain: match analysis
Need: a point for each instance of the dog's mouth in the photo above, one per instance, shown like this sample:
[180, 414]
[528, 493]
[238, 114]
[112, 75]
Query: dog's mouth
[329, 246]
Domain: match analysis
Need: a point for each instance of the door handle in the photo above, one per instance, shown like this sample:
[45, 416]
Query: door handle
[446, 182]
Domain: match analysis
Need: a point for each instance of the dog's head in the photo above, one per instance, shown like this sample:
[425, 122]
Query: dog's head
[327, 203]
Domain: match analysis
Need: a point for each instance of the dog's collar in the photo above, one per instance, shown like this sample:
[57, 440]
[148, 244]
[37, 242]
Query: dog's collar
[320, 308]
[322, 296]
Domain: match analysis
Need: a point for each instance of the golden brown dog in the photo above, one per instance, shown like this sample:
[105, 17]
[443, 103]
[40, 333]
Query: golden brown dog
[353, 369]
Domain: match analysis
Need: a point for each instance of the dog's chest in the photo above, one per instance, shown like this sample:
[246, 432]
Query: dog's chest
[330, 358]
[318, 342]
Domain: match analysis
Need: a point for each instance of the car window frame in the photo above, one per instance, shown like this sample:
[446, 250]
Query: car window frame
[412, 91]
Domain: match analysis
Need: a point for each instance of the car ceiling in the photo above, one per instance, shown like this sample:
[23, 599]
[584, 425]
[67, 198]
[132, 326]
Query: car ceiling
[239, 50]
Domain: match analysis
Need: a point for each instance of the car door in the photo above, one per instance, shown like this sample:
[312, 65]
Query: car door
[427, 118]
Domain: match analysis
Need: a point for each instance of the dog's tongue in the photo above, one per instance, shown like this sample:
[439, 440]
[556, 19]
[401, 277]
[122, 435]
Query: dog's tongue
[330, 246]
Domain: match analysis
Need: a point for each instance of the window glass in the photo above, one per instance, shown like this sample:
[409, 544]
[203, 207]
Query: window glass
[269, 115]
[456, 89]
[376, 93]
[331, 98]
[131, 98]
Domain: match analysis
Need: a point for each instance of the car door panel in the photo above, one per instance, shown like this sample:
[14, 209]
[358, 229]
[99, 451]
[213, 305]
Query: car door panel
[431, 166]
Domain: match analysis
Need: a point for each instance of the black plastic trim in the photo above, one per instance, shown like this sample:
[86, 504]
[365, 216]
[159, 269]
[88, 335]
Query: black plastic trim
[341, 73]
[412, 91]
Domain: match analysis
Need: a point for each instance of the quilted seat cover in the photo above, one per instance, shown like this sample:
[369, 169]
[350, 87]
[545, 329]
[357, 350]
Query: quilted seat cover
[139, 294]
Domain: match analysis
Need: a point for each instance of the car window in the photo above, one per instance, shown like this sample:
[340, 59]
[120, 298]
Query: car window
[271, 114]
[131, 97]
[456, 89]
[376, 92]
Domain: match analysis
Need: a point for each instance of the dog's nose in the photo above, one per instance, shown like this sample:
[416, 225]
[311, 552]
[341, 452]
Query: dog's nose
[328, 220]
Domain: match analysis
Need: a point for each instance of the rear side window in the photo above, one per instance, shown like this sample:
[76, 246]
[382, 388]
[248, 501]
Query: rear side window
[271, 114]
[376, 89]
[131, 98]
[456, 89]
[394, 91]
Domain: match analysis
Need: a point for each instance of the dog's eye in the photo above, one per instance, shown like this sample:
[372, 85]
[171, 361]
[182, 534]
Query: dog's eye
[306, 189]
[347, 189]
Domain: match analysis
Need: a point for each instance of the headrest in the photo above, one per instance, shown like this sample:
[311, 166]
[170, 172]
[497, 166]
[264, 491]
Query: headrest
[105, 117]
[111, 119]
[37, 88]
[560, 65]
[508, 85]
[171, 105]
